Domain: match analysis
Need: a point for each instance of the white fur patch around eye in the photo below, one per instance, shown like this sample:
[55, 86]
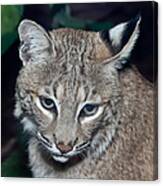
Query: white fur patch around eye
[44, 111]
[81, 94]
[60, 92]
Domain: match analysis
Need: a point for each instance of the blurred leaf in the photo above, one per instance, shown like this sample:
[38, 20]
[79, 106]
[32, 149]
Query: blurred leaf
[67, 10]
[56, 8]
[14, 166]
[7, 41]
[63, 18]
[99, 26]
[51, 6]
[10, 16]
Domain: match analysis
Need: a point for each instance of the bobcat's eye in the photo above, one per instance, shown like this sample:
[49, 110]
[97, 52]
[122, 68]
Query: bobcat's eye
[89, 110]
[48, 104]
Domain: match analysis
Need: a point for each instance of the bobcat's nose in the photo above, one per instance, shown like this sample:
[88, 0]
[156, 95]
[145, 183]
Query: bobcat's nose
[64, 148]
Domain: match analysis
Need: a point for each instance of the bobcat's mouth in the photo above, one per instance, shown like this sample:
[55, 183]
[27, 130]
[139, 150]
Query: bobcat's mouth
[60, 158]
[57, 155]
[70, 160]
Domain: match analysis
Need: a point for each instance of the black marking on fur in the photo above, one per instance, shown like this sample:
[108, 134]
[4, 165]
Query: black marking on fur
[104, 34]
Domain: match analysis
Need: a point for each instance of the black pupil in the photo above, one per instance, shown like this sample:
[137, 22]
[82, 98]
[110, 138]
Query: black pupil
[90, 108]
[48, 102]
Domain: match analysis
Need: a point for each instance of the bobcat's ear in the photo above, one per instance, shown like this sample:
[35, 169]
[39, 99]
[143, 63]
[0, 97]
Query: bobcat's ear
[121, 40]
[35, 42]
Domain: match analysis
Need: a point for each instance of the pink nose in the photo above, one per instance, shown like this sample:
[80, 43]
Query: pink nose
[64, 148]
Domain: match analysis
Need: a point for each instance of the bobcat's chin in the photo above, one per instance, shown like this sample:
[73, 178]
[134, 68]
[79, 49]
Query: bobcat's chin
[61, 159]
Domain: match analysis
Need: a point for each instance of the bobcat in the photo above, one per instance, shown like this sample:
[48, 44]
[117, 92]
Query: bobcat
[89, 114]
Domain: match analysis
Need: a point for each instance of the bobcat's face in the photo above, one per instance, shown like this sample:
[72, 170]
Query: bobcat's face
[68, 92]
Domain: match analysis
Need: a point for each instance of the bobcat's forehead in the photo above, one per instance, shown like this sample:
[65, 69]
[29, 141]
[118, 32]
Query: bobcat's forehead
[77, 45]
[74, 86]
[63, 92]
[76, 52]
[71, 70]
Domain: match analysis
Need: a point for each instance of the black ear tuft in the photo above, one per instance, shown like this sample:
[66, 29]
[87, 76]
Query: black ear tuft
[104, 34]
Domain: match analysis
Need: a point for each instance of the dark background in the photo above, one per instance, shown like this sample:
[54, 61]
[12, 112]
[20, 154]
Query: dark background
[94, 16]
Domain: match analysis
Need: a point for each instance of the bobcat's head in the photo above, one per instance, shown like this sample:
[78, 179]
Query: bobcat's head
[68, 91]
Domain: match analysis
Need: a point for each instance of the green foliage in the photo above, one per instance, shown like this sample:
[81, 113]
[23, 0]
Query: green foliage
[61, 13]
[63, 18]
[10, 16]
[14, 166]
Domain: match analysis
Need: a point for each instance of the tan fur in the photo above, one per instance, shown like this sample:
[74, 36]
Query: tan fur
[125, 145]
[132, 155]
